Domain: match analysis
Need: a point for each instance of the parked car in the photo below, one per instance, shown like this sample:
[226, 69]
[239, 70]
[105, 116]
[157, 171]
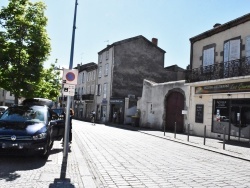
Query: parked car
[30, 128]
[60, 112]
[2, 109]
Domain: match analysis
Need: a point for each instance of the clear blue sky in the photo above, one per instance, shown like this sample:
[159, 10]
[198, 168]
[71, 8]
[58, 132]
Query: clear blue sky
[173, 22]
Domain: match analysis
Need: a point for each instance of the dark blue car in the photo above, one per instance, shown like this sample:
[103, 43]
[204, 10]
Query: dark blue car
[30, 128]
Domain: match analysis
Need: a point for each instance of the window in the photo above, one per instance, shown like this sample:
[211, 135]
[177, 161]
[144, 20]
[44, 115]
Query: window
[100, 72]
[106, 69]
[92, 89]
[93, 75]
[232, 50]
[208, 59]
[100, 58]
[107, 54]
[88, 89]
[99, 89]
[82, 77]
[248, 46]
[89, 77]
[105, 90]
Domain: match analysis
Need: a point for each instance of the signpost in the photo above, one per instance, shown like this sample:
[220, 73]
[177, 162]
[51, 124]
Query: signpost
[69, 77]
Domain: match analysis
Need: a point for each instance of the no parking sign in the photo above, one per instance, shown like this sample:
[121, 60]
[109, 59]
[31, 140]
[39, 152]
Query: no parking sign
[70, 76]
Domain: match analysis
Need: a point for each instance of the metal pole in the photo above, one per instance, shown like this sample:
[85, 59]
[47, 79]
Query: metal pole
[174, 129]
[164, 129]
[204, 142]
[67, 120]
[249, 133]
[188, 132]
[224, 137]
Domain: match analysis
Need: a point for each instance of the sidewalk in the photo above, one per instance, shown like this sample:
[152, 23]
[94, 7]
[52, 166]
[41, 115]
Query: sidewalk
[236, 149]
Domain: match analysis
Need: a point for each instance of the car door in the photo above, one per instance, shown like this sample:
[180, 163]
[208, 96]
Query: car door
[57, 126]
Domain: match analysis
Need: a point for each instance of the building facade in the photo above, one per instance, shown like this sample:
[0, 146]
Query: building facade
[6, 98]
[163, 106]
[122, 67]
[219, 80]
[84, 91]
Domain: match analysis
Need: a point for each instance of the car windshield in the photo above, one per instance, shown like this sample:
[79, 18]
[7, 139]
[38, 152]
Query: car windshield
[58, 111]
[24, 113]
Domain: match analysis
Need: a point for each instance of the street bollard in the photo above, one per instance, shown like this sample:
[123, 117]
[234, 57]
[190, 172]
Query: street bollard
[174, 129]
[249, 135]
[239, 131]
[204, 142]
[224, 136]
[164, 129]
[188, 132]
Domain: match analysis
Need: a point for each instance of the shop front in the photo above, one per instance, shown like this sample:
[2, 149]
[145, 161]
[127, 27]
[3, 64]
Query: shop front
[230, 108]
[116, 110]
[233, 115]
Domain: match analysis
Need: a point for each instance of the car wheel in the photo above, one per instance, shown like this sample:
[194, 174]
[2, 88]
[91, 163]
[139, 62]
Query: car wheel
[45, 152]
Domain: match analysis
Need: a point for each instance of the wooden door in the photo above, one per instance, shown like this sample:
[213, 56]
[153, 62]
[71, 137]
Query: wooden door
[175, 105]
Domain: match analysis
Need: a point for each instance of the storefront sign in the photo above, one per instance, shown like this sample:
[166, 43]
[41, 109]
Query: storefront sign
[199, 111]
[104, 101]
[223, 88]
[116, 101]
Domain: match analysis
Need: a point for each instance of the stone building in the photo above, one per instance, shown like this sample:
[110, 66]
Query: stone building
[163, 106]
[122, 67]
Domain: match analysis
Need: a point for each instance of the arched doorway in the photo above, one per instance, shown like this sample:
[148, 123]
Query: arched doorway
[174, 106]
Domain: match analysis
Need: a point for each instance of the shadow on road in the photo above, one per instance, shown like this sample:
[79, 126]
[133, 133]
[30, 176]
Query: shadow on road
[9, 166]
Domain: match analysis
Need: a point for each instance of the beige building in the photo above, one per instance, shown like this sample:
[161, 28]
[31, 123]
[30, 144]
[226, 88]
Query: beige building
[84, 90]
[219, 80]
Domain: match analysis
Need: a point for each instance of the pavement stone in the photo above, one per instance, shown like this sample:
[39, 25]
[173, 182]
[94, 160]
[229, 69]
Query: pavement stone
[237, 149]
[80, 173]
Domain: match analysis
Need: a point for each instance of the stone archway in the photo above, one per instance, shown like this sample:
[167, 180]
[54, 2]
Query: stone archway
[174, 104]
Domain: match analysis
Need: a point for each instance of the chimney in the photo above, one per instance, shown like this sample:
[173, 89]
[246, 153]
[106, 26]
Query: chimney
[155, 41]
[217, 25]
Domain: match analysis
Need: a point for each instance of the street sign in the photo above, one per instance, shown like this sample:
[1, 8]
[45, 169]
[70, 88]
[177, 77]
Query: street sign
[68, 90]
[70, 76]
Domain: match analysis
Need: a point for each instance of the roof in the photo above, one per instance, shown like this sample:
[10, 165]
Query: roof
[221, 28]
[129, 40]
[86, 67]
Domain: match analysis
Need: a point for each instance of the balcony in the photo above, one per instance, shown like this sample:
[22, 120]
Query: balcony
[235, 68]
[88, 97]
[84, 97]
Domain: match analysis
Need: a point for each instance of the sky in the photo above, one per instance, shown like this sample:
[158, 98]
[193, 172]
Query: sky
[103, 22]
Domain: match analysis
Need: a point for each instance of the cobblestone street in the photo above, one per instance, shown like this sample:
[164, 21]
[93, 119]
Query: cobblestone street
[126, 158]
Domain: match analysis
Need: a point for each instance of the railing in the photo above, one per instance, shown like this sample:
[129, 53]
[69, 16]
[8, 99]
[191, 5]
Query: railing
[235, 68]
[84, 97]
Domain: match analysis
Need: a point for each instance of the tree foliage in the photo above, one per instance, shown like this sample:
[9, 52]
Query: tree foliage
[24, 47]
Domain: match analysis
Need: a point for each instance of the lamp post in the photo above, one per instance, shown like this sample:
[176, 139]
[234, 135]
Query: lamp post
[67, 120]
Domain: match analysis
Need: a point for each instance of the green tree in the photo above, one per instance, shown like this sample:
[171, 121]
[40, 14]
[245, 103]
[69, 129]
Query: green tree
[49, 85]
[24, 47]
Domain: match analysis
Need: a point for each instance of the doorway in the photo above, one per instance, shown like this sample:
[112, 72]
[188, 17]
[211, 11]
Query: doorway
[174, 117]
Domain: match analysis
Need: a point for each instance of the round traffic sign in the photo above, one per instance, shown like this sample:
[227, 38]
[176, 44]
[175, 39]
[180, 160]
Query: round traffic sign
[70, 76]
